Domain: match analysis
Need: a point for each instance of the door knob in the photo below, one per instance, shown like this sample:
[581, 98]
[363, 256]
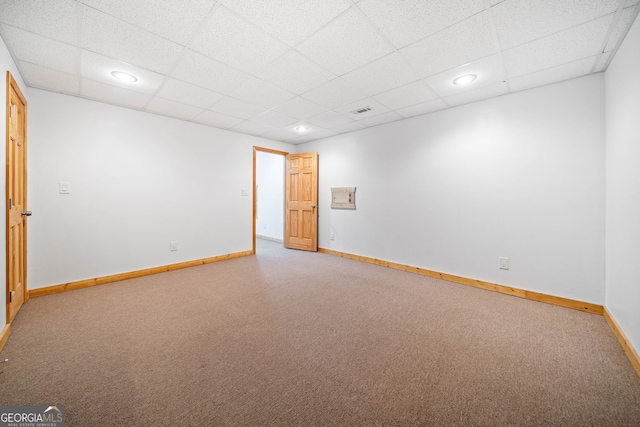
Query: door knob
[26, 213]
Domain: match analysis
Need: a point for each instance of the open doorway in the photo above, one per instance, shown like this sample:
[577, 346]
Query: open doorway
[268, 197]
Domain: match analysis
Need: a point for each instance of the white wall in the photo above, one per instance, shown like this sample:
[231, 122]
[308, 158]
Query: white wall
[270, 206]
[6, 64]
[519, 176]
[138, 182]
[623, 186]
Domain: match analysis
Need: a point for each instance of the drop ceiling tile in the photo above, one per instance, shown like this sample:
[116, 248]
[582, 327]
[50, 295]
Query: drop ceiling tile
[273, 119]
[381, 75]
[236, 108]
[251, 128]
[232, 41]
[205, 72]
[375, 108]
[30, 47]
[280, 135]
[261, 93]
[295, 73]
[488, 70]
[300, 108]
[55, 19]
[521, 21]
[345, 44]
[335, 93]
[602, 63]
[423, 108]
[576, 43]
[348, 127]
[113, 95]
[301, 140]
[172, 109]
[390, 116]
[217, 120]
[478, 94]
[552, 75]
[112, 37]
[405, 96]
[311, 129]
[324, 133]
[97, 67]
[289, 20]
[186, 93]
[621, 28]
[173, 20]
[49, 79]
[329, 119]
[459, 44]
[406, 21]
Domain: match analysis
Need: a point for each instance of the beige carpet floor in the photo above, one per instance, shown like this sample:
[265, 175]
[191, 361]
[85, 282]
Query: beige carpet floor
[289, 338]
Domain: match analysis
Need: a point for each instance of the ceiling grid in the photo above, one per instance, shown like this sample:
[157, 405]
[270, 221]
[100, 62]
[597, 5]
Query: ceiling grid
[272, 68]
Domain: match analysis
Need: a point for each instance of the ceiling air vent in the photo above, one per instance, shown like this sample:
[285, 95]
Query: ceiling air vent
[361, 110]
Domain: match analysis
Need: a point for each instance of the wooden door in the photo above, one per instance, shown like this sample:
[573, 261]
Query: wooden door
[16, 198]
[301, 194]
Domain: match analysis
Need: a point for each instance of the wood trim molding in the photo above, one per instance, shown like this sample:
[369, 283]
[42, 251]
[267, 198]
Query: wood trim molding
[255, 183]
[4, 335]
[132, 274]
[631, 352]
[269, 150]
[11, 83]
[549, 299]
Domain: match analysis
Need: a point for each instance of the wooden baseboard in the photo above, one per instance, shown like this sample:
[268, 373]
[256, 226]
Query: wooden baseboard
[549, 299]
[132, 274]
[4, 335]
[631, 352]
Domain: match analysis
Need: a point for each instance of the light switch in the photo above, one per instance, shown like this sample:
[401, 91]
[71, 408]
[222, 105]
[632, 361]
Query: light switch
[65, 187]
[244, 192]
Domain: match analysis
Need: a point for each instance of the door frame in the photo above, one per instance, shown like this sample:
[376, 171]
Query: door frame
[255, 189]
[13, 84]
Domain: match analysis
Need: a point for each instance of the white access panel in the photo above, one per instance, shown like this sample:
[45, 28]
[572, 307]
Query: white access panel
[343, 198]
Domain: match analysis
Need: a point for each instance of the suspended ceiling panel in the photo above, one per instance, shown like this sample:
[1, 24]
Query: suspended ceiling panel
[276, 68]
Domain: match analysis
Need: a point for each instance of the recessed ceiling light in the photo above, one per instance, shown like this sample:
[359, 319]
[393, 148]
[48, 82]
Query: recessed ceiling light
[302, 129]
[466, 79]
[124, 77]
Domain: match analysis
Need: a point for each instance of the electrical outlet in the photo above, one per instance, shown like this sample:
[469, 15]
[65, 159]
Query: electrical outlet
[64, 188]
[173, 246]
[504, 263]
[333, 236]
